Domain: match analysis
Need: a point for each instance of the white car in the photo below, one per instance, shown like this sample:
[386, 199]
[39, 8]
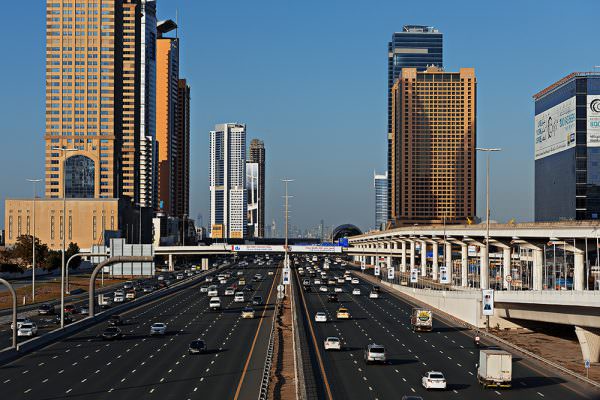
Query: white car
[270, 273]
[433, 380]
[158, 328]
[118, 299]
[20, 321]
[332, 343]
[338, 289]
[213, 292]
[373, 295]
[375, 353]
[348, 278]
[323, 288]
[214, 303]
[27, 329]
[320, 317]
[317, 281]
[355, 281]
[356, 291]
[239, 297]
[179, 277]
[204, 289]
[229, 291]
[223, 281]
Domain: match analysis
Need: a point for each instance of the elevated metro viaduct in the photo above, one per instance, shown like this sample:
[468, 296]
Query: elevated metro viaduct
[565, 291]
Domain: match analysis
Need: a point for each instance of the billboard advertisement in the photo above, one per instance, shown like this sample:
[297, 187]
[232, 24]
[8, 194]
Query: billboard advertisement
[555, 129]
[315, 249]
[593, 120]
[444, 277]
[487, 301]
[391, 273]
[377, 270]
[414, 275]
[257, 247]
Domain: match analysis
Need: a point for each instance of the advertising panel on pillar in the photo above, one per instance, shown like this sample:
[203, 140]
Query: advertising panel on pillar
[391, 273]
[362, 266]
[377, 270]
[444, 278]
[414, 275]
[487, 301]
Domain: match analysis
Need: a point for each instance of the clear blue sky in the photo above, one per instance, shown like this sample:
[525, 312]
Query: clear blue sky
[309, 78]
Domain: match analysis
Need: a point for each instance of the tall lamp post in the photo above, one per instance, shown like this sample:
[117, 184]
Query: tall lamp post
[286, 258]
[140, 227]
[34, 181]
[64, 234]
[484, 275]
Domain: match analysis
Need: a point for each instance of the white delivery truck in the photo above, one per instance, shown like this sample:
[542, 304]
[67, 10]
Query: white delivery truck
[494, 368]
[421, 320]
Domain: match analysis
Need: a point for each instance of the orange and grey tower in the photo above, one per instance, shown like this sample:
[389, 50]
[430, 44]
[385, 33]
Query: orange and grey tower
[433, 146]
[94, 55]
[167, 92]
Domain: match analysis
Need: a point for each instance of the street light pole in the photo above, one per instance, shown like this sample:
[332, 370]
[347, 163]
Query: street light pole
[34, 181]
[484, 279]
[286, 181]
[64, 235]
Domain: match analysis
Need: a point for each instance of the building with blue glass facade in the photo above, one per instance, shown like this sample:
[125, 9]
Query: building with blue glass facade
[417, 46]
[567, 149]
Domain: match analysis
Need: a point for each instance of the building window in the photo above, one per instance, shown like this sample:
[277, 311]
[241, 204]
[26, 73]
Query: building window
[18, 226]
[61, 227]
[79, 177]
[52, 227]
[70, 227]
[10, 226]
[94, 228]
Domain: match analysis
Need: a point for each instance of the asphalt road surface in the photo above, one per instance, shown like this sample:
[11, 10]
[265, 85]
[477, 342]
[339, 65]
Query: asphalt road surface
[447, 348]
[141, 367]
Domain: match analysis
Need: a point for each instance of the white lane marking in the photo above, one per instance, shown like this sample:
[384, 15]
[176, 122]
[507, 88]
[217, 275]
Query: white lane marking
[27, 391]
[68, 391]
[541, 394]
[45, 380]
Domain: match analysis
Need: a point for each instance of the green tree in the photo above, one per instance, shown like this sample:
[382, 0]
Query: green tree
[22, 251]
[53, 260]
[72, 250]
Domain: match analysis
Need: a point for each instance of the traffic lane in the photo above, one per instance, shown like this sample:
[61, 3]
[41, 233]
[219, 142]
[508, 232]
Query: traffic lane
[56, 358]
[85, 361]
[215, 372]
[457, 353]
[344, 369]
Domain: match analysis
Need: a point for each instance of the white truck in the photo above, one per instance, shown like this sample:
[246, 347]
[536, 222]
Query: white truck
[494, 368]
[421, 320]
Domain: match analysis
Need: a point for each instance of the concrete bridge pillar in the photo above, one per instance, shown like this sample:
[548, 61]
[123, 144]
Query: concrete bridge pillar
[484, 270]
[589, 340]
[448, 260]
[464, 265]
[171, 265]
[506, 267]
[579, 278]
[423, 258]
[537, 270]
[403, 259]
[412, 255]
[435, 266]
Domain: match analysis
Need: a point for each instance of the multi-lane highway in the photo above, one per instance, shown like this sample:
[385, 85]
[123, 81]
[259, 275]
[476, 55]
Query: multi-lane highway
[141, 366]
[448, 348]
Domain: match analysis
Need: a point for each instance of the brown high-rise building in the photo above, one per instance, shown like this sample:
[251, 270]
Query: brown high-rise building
[93, 59]
[167, 92]
[255, 183]
[181, 172]
[433, 146]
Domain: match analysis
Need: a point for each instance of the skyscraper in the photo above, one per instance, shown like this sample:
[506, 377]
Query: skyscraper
[380, 183]
[257, 158]
[433, 146]
[181, 173]
[228, 195]
[567, 149]
[167, 87]
[417, 47]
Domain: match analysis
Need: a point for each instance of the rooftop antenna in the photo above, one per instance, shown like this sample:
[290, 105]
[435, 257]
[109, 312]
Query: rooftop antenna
[177, 22]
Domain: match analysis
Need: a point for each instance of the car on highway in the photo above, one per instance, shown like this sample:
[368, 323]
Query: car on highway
[270, 273]
[248, 312]
[340, 281]
[128, 285]
[118, 298]
[433, 380]
[308, 288]
[342, 313]
[356, 291]
[242, 282]
[317, 281]
[355, 281]
[111, 333]
[323, 289]
[332, 298]
[84, 310]
[348, 278]
[46, 309]
[337, 289]
[179, 277]
[409, 397]
[229, 291]
[70, 308]
[148, 289]
[332, 343]
[27, 329]
[374, 353]
[320, 317]
[20, 321]
[331, 281]
[213, 291]
[115, 320]
[374, 295]
[239, 297]
[257, 301]
[197, 347]
[248, 288]
[222, 281]
[240, 273]
[204, 289]
[68, 318]
[161, 277]
[158, 328]
[214, 303]
[130, 295]
[306, 282]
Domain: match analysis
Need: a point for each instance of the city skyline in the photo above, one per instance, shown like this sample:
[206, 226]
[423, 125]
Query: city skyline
[505, 109]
